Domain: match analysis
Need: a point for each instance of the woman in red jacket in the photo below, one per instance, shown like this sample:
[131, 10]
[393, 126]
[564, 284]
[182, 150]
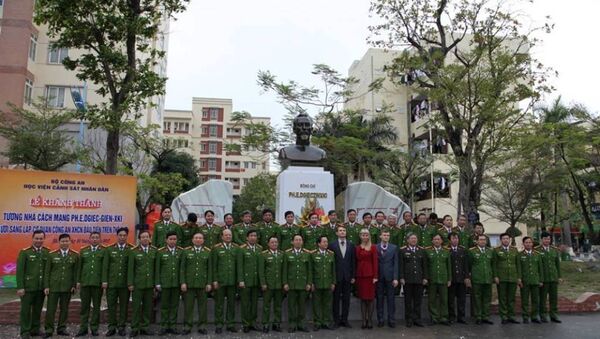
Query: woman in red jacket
[366, 276]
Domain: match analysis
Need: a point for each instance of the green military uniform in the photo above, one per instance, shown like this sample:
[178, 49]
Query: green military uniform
[330, 231]
[425, 234]
[507, 268]
[212, 234]
[90, 280]
[161, 229]
[464, 237]
[166, 273]
[287, 235]
[481, 277]
[270, 274]
[551, 265]
[311, 234]
[440, 273]
[224, 273]
[188, 229]
[395, 234]
[444, 233]
[141, 275]
[247, 272]
[31, 263]
[297, 274]
[240, 232]
[352, 232]
[323, 273]
[532, 275]
[114, 274]
[196, 273]
[265, 231]
[473, 240]
[374, 231]
[60, 276]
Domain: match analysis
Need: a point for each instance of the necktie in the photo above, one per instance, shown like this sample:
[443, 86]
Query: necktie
[64, 254]
[343, 243]
[437, 251]
[146, 250]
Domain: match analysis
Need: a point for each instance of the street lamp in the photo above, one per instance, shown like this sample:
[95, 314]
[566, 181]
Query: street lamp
[79, 100]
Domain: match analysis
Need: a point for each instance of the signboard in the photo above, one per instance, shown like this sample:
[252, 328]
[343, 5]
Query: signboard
[304, 190]
[58, 202]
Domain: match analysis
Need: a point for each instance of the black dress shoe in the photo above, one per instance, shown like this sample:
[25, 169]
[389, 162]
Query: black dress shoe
[63, 333]
[291, 330]
[487, 321]
[146, 332]
[174, 331]
[94, 333]
[47, 335]
[163, 331]
[461, 321]
[34, 333]
[316, 328]
[81, 333]
[555, 320]
[525, 321]
[231, 329]
[536, 320]
[218, 330]
[513, 321]
[303, 329]
[186, 332]
[409, 324]
[445, 323]
[504, 322]
[380, 324]
[326, 327]
[134, 334]
[110, 333]
[202, 331]
[276, 328]
[419, 324]
[346, 324]
[391, 325]
[245, 329]
[265, 329]
[477, 322]
[122, 332]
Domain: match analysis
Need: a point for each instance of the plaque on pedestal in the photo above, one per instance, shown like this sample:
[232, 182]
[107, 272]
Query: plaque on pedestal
[304, 190]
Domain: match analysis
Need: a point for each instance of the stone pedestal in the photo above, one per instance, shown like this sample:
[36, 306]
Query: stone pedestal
[298, 187]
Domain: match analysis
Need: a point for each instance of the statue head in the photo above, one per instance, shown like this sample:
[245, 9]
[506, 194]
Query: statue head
[302, 128]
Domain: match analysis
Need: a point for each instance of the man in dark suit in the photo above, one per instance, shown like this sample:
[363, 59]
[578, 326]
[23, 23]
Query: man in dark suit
[388, 279]
[345, 264]
[457, 292]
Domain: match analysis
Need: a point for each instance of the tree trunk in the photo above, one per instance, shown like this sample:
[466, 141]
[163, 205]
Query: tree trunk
[112, 151]
[566, 229]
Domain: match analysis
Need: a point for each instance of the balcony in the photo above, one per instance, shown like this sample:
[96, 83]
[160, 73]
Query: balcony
[234, 169]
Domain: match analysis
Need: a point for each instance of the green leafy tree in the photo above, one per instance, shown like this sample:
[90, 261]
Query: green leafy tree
[120, 52]
[471, 59]
[258, 194]
[37, 138]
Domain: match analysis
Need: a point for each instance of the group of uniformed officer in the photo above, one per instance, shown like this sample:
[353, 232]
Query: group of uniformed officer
[192, 262]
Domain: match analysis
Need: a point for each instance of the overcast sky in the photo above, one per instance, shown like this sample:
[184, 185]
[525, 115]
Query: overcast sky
[216, 48]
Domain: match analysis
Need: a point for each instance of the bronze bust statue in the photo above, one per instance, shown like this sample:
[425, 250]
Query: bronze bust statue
[302, 153]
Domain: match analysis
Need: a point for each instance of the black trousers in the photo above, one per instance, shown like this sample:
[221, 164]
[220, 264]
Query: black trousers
[413, 296]
[341, 294]
[457, 300]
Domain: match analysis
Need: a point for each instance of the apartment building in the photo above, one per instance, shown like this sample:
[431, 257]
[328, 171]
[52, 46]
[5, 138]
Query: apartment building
[204, 132]
[31, 68]
[435, 191]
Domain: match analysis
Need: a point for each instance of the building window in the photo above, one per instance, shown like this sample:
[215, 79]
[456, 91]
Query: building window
[253, 165]
[202, 163]
[28, 91]
[167, 126]
[57, 55]
[202, 147]
[214, 113]
[32, 46]
[212, 148]
[246, 181]
[213, 130]
[55, 96]
[212, 164]
[246, 164]
[204, 130]
[205, 113]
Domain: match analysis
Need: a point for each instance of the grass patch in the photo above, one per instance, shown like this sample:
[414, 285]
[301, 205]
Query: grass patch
[578, 279]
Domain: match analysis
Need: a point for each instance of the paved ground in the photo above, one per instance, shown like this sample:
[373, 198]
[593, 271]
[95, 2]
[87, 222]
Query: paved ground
[573, 327]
